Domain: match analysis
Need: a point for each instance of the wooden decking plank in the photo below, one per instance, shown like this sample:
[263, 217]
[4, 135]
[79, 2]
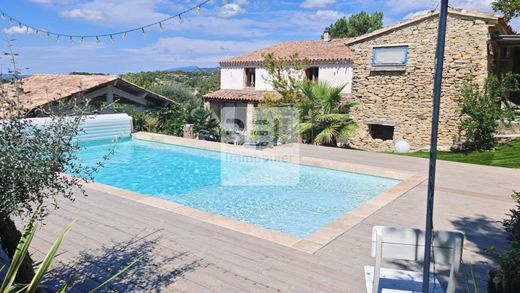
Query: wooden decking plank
[308, 264]
[239, 262]
[247, 245]
[233, 255]
[82, 246]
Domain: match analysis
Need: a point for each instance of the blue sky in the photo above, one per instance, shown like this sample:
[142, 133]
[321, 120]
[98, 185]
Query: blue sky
[218, 32]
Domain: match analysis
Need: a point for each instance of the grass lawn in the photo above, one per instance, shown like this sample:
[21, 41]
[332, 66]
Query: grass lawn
[506, 155]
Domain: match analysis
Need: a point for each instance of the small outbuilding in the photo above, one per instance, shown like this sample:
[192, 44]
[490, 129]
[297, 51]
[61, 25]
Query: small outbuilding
[104, 93]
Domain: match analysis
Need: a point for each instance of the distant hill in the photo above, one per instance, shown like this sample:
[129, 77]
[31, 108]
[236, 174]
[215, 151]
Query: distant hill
[9, 76]
[194, 68]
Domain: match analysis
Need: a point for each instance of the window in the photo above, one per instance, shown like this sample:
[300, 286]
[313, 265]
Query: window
[250, 77]
[312, 73]
[390, 56]
[384, 132]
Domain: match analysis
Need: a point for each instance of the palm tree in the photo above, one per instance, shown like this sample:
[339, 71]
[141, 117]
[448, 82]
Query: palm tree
[204, 119]
[325, 117]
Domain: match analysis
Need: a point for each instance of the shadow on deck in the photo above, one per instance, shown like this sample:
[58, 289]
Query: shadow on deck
[157, 268]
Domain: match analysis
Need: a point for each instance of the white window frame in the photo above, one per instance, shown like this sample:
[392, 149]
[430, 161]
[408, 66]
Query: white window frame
[381, 48]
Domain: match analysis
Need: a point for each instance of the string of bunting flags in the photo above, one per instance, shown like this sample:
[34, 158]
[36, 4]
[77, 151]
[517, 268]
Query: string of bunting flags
[99, 37]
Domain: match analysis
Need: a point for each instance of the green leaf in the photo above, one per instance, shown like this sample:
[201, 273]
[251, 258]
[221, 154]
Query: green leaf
[21, 251]
[348, 130]
[17, 288]
[326, 135]
[332, 117]
[474, 277]
[35, 282]
[122, 271]
[305, 127]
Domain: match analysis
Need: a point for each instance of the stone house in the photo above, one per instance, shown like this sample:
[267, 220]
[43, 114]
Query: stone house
[390, 74]
[245, 82]
[394, 69]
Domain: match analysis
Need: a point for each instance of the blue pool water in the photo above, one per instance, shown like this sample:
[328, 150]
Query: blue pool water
[289, 198]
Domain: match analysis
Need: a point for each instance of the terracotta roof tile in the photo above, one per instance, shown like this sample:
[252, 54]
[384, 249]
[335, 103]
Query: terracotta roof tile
[249, 95]
[40, 89]
[239, 95]
[314, 51]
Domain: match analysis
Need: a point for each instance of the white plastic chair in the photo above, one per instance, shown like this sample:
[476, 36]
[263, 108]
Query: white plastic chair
[408, 244]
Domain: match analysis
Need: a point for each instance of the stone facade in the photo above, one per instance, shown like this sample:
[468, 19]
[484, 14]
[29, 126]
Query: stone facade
[403, 98]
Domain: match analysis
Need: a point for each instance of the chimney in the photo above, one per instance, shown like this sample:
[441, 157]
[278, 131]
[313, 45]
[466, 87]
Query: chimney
[326, 35]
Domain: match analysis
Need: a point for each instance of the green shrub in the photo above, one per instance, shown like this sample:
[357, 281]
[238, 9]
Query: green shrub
[172, 119]
[512, 225]
[187, 108]
[178, 93]
[482, 110]
[506, 279]
[138, 120]
[324, 116]
[204, 119]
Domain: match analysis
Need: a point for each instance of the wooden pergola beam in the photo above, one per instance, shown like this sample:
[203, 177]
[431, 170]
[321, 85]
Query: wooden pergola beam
[129, 96]
[111, 91]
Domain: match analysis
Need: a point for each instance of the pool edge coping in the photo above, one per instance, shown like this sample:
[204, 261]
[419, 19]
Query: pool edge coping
[310, 244]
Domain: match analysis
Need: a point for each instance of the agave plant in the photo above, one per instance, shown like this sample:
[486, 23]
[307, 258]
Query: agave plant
[152, 124]
[8, 284]
[325, 118]
[470, 284]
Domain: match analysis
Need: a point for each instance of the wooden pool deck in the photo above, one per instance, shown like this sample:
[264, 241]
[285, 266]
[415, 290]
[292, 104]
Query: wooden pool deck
[183, 254]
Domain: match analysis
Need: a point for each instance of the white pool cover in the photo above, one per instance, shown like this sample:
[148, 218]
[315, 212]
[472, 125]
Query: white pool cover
[98, 127]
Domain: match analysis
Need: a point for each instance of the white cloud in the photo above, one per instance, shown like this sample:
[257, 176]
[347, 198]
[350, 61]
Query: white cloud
[396, 8]
[181, 50]
[404, 6]
[317, 3]
[326, 15]
[17, 30]
[416, 13]
[85, 13]
[112, 12]
[221, 27]
[230, 10]
[482, 5]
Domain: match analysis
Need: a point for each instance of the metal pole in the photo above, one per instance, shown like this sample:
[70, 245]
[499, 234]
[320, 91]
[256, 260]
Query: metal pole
[439, 56]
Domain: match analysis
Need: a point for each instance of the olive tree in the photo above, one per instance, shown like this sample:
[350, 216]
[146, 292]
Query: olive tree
[286, 74]
[34, 161]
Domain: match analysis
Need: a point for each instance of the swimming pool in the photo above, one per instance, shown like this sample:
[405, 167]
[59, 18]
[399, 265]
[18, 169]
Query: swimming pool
[290, 198]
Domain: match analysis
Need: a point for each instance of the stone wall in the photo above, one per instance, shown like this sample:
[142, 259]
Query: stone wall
[403, 99]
